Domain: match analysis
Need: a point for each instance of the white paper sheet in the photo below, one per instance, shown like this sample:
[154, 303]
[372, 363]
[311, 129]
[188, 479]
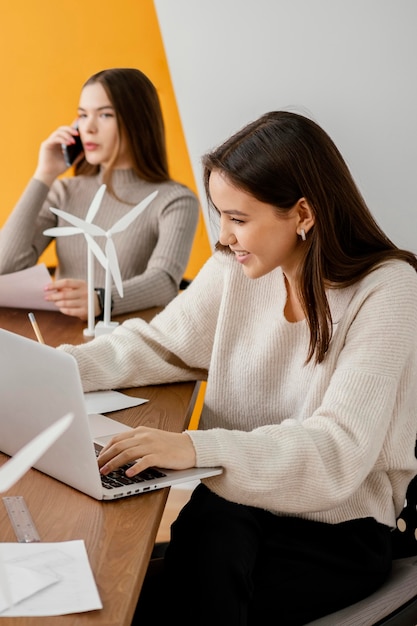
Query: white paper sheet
[108, 401]
[54, 579]
[23, 582]
[24, 289]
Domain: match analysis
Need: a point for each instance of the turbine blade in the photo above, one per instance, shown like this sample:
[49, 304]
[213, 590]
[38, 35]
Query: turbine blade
[27, 456]
[62, 230]
[91, 229]
[114, 265]
[95, 204]
[124, 221]
[96, 250]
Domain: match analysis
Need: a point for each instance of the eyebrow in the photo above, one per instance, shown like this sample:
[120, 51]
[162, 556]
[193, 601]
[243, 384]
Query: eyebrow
[234, 212]
[227, 212]
[106, 106]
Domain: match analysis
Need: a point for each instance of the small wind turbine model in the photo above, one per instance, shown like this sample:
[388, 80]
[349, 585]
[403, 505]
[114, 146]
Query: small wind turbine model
[108, 260]
[92, 245]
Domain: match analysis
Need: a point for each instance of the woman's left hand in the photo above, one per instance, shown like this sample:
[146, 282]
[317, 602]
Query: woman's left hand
[149, 447]
[71, 297]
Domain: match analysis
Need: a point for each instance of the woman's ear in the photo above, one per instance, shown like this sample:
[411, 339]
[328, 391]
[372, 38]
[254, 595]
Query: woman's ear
[306, 217]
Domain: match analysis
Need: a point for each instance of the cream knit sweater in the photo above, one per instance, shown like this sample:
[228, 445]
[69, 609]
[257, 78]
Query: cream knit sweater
[328, 442]
[153, 251]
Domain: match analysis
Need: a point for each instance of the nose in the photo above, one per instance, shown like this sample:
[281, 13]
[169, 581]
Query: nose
[89, 125]
[226, 235]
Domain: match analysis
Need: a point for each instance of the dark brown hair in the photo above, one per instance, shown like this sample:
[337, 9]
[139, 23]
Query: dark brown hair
[139, 118]
[282, 157]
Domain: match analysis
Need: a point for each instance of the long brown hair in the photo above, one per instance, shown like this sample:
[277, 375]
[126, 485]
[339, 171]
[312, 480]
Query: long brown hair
[282, 157]
[139, 118]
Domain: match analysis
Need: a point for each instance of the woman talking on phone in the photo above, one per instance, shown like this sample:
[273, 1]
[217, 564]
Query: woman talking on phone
[121, 135]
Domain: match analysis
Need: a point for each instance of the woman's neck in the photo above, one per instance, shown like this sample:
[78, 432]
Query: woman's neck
[293, 310]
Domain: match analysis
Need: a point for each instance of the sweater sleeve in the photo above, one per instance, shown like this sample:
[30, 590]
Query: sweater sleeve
[21, 238]
[158, 284]
[175, 346]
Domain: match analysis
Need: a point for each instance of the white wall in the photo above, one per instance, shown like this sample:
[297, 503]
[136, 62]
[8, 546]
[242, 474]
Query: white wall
[349, 64]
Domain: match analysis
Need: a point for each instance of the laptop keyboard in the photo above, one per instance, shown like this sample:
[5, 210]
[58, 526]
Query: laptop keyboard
[118, 478]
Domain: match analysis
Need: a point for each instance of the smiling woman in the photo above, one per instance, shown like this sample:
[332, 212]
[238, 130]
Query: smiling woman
[122, 134]
[303, 327]
[259, 236]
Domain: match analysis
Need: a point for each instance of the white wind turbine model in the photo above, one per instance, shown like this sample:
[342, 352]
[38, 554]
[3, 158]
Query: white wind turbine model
[109, 259]
[93, 249]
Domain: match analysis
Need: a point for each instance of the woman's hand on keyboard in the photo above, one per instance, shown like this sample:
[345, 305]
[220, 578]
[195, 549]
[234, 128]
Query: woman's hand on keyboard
[147, 447]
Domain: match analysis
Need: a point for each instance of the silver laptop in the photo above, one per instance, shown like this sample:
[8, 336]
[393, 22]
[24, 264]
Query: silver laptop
[39, 384]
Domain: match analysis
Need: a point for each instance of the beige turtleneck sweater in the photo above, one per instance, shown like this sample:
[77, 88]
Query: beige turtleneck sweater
[152, 252]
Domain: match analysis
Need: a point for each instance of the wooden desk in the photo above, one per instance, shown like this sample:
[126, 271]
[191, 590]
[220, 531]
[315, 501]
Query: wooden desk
[119, 536]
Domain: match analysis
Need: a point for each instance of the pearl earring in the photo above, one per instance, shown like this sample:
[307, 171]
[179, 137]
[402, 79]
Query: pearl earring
[303, 234]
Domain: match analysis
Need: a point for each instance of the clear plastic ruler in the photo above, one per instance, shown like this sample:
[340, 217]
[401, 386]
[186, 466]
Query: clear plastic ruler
[21, 519]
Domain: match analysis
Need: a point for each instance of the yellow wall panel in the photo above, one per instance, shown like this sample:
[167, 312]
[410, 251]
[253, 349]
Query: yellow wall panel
[47, 50]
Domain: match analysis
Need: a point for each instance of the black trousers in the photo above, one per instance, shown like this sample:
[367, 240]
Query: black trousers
[234, 565]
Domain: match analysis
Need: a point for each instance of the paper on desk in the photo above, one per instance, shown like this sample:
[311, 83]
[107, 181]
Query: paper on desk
[24, 289]
[107, 401]
[23, 582]
[50, 579]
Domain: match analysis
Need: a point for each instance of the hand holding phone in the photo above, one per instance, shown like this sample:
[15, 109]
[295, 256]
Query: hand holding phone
[72, 151]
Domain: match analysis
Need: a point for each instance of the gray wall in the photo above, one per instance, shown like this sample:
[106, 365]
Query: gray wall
[348, 64]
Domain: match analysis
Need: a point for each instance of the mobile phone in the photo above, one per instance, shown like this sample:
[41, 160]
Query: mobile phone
[72, 151]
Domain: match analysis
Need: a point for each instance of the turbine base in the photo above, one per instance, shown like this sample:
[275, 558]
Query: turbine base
[105, 328]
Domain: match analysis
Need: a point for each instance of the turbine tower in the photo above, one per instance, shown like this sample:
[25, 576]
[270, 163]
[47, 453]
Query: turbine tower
[108, 259]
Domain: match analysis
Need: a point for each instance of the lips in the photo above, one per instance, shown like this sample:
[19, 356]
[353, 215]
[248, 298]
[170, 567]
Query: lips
[241, 256]
[90, 146]
[239, 252]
